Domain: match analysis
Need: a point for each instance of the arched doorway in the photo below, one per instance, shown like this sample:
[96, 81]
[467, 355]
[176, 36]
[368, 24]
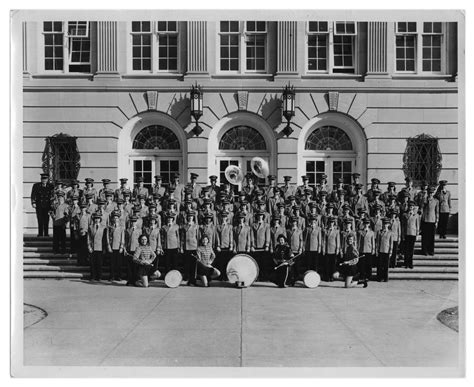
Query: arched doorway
[238, 138]
[332, 144]
[151, 144]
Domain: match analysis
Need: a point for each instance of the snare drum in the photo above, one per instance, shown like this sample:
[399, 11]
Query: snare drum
[242, 270]
[311, 279]
[173, 278]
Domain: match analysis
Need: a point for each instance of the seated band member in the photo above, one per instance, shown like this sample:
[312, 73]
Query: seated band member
[282, 275]
[348, 265]
[205, 258]
[146, 261]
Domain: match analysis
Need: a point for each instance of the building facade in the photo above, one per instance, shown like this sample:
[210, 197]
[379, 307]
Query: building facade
[111, 99]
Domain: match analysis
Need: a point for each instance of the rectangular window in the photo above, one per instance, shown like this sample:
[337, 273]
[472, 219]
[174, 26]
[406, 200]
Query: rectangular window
[79, 47]
[167, 169]
[167, 45]
[315, 170]
[53, 45]
[342, 169]
[331, 47]
[419, 47]
[143, 168]
[243, 45]
[141, 45]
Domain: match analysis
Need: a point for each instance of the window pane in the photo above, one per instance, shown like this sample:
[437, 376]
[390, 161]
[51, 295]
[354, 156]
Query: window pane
[224, 26]
[234, 26]
[58, 26]
[162, 26]
[411, 27]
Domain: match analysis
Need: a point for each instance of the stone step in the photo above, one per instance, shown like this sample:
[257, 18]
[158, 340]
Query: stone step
[47, 261]
[434, 262]
[84, 269]
[441, 245]
[447, 257]
[440, 251]
[424, 276]
[425, 269]
[40, 249]
[53, 275]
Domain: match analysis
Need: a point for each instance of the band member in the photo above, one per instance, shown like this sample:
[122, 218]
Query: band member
[323, 184]
[282, 214]
[270, 189]
[142, 207]
[74, 212]
[250, 187]
[376, 202]
[329, 215]
[83, 221]
[183, 214]
[287, 189]
[213, 188]
[104, 189]
[313, 246]
[411, 228]
[332, 249]
[391, 191]
[421, 197]
[348, 266]
[282, 275]
[115, 245]
[101, 209]
[207, 211]
[322, 203]
[391, 204]
[140, 189]
[146, 262]
[345, 216]
[89, 190]
[313, 213]
[377, 220]
[194, 187]
[352, 189]
[366, 243]
[170, 240]
[408, 188]
[395, 227]
[295, 241]
[225, 244]
[347, 232]
[41, 201]
[189, 244]
[384, 250]
[209, 228]
[242, 235]
[260, 244]
[358, 200]
[109, 203]
[300, 191]
[153, 232]
[374, 187]
[158, 188]
[74, 191]
[118, 193]
[444, 198]
[337, 191]
[132, 235]
[275, 231]
[96, 247]
[60, 216]
[205, 258]
[127, 204]
[429, 220]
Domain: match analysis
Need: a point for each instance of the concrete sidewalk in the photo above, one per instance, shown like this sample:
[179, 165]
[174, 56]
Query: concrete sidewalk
[105, 324]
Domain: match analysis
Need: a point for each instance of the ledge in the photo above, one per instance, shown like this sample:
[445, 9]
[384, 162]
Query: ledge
[242, 76]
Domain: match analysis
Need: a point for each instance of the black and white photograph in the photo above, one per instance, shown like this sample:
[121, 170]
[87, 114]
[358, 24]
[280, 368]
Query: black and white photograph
[238, 191]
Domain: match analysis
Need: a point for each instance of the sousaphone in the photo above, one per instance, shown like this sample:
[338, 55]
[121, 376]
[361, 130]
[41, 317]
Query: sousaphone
[260, 167]
[234, 174]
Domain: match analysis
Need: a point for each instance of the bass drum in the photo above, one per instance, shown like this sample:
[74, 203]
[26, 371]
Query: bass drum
[311, 279]
[242, 270]
[173, 278]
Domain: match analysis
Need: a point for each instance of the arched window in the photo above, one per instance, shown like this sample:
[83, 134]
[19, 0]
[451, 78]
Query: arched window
[61, 158]
[422, 159]
[156, 137]
[242, 138]
[328, 138]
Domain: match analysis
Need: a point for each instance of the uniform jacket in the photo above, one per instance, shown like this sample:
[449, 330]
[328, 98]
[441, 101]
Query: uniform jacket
[83, 221]
[225, 235]
[359, 202]
[74, 213]
[444, 201]
[261, 236]
[170, 238]
[95, 237]
[313, 239]
[332, 241]
[288, 190]
[295, 240]
[396, 229]
[158, 190]
[118, 193]
[411, 192]
[131, 238]
[274, 233]
[242, 238]
[115, 237]
[385, 242]
[366, 242]
[60, 215]
[190, 236]
[41, 195]
[91, 191]
[411, 224]
[211, 231]
[430, 211]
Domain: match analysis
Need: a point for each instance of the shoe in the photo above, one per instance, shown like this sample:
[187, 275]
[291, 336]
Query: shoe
[366, 284]
[190, 283]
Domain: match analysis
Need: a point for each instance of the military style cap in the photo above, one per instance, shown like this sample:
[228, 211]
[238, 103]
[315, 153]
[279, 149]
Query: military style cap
[312, 217]
[276, 217]
[116, 213]
[245, 201]
[331, 219]
[60, 193]
[366, 221]
[330, 205]
[213, 178]
[207, 201]
[140, 179]
[356, 174]
[287, 178]
[359, 186]
[89, 180]
[258, 191]
[375, 181]
[276, 190]
[190, 213]
[443, 182]
[224, 213]
[136, 209]
[194, 175]
[362, 211]
[171, 201]
[44, 175]
[280, 204]
[127, 193]
[153, 217]
[340, 180]
[323, 193]
[408, 178]
[171, 189]
[74, 182]
[391, 184]
[347, 221]
[297, 207]
[188, 191]
[241, 215]
[260, 202]
[97, 215]
[386, 220]
[341, 191]
[175, 175]
[106, 181]
[260, 212]
[376, 192]
[377, 207]
[304, 177]
[133, 218]
[324, 176]
[312, 204]
[120, 201]
[431, 189]
[242, 193]
[89, 195]
[405, 194]
[141, 196]
[225, 201]
[158, 177]
[394, 212]
[346, 207]
[170, 215]
[411, 203]
[58, 182]
[291, 197]
[123, 180]
[156, 195]
[308, 191]
[152, 205]
[294, 218]
[82, 205]
[271, 177]
[75, 197]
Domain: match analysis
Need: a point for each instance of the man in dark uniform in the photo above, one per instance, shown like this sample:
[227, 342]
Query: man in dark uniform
[41, 201]
[352, 189]
[287, 189]
[120, 191]
[105, 189]
[157, 187]
[214, 190]
[375, 187]
[89, 189]
[270, 189]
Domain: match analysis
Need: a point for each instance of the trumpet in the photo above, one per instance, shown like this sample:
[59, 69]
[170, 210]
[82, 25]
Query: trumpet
[260, 167]
[234, 174]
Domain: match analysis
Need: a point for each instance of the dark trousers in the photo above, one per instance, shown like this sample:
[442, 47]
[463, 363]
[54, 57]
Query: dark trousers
[393, 257]
[382, 267]
[190, 266]
[312, 261]
[262, 258]
[329, 266]
[171, 259]
[42, 215]
[443, 223]
[282, 276]
[427, 238]
[74, 235]
[115, 265]
[82, 251]
[365, 266]
[96, 265]
[59, 239]
[409, 245]
[221, 262]
[131, 268]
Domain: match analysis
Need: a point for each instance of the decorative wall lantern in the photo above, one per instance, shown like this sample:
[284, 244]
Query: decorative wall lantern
[288, 108]
[196, 108]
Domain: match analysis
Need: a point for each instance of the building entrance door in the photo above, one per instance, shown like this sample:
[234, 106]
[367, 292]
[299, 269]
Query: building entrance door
[149, 166]
[244, 163]
[334, 168]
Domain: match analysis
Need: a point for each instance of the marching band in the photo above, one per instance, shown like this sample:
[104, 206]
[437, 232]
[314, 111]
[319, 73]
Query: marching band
[286, 229]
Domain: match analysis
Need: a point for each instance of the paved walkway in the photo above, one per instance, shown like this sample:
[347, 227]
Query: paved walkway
[105, 324]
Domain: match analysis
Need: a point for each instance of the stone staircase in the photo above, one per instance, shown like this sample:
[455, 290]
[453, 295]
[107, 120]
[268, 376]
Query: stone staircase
[40, 262]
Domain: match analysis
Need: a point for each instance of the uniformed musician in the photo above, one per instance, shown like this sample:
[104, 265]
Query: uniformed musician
[41, 201]
[444, 198]
[282, 275]
[384, 250]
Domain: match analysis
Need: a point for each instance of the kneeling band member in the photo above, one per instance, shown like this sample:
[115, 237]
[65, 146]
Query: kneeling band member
[282, 275]
[205, 257]
[144, 257]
